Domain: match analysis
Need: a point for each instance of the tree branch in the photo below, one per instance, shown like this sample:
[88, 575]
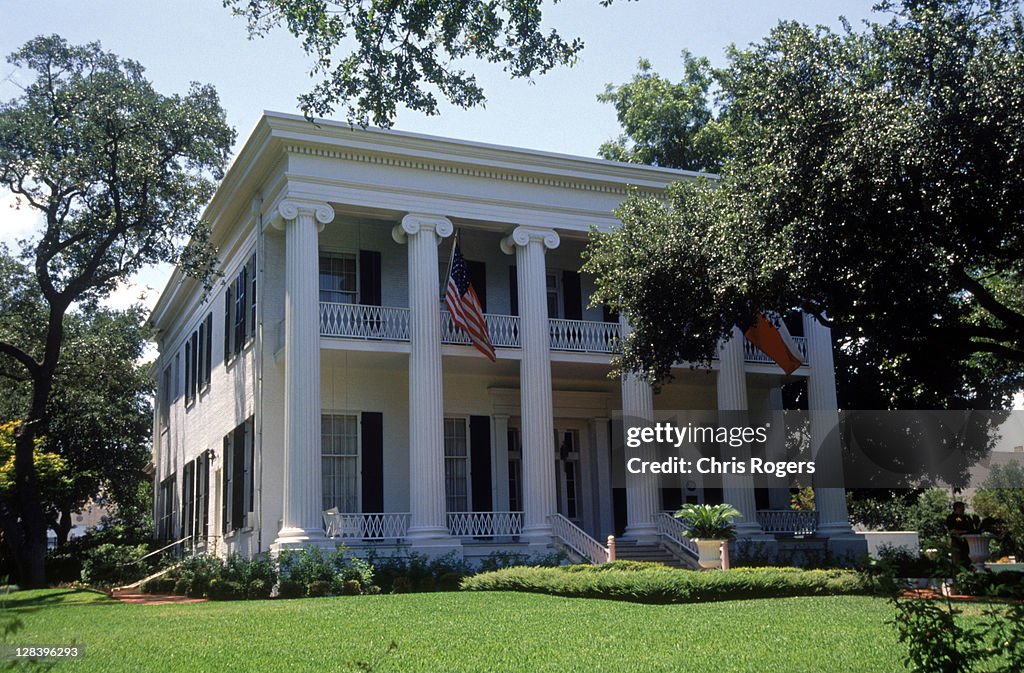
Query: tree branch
[26, 360]
[1000, 311]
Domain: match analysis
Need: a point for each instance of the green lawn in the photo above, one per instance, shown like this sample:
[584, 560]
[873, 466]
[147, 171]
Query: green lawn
[464, 632]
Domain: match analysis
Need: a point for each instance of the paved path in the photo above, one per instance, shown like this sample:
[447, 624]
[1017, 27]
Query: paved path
[136, 596]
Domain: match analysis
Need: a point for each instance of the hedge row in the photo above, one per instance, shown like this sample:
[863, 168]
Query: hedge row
[652, 583]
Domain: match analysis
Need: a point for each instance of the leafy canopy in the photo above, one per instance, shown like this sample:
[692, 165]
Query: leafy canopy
[372, 56]
[874, 179]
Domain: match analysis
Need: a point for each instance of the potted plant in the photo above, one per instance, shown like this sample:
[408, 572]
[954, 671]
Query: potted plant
[709, 526]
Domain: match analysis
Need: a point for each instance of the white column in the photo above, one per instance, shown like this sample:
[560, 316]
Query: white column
[603, 492]
[500, 469]
[642, 490]
[826, 449]
[301, 520]
[775, 447]
[427, 526]
[737, 489]
[538, 431]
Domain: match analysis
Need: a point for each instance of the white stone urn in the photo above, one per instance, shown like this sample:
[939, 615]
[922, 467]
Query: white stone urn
[709, 553]
[977, 549]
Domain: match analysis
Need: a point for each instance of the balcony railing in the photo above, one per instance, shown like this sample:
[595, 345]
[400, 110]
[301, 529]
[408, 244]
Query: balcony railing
[377, 526]
[389, 323]
[792, 521]
[485, 524]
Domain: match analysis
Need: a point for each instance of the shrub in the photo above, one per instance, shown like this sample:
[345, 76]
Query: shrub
[322, 573]
[709, 522]
[418, 572]
[114, 564]
[669, 585]
[225, 590]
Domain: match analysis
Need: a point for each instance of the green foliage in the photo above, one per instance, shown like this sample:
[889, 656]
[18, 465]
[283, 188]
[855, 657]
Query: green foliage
[401, 52]
[669, 585]
[846, 151]
[418, 572]
[120, 174]
[1002, 497]
[666, 124]
[709, 522]
[322, 574]
[114, 564]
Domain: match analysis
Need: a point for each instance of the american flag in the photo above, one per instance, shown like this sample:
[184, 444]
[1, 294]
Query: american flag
[464, 305]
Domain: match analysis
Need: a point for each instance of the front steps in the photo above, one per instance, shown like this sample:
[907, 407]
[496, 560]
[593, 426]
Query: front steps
[626, 550]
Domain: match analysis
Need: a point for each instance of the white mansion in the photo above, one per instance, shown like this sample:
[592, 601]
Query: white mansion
[319, 394]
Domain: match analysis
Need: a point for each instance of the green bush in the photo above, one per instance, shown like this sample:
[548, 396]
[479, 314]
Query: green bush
[323, 574]
[669, 585]
[225, 590]
[418, 572]
[114, 564]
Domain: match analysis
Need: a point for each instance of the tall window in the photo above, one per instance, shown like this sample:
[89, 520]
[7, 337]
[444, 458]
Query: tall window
[339, 279]
[165, 508]
[515, 471]
[198, 352]
[165, 399]
[554, 285]
[240, 310]
[188, 499]
[339, 440]
[238, 477]
[456, 465]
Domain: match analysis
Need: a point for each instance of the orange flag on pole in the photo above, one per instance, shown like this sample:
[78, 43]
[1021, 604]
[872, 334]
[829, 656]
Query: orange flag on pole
[770, 339]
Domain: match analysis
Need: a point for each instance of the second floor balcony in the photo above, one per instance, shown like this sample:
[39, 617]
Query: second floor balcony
[390, 323]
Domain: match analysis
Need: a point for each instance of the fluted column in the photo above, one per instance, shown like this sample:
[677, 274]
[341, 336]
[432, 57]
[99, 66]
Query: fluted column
[737, 489]
[426, 408]
[642, 490]
[538, 433]
[301, 520]
[826, 449]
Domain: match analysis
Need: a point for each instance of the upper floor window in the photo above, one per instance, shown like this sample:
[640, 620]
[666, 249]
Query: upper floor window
[165, 399]
[198, 356]
[339, 278]
[240, 310]
[554, 286]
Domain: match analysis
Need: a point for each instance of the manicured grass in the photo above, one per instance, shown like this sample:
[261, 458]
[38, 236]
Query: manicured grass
[468, 632]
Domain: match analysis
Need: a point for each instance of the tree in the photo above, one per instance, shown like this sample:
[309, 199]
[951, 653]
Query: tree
[1002, 497]
[875, 179]
[100, 415]
[402, 51]
[119, 173]
[666, 124]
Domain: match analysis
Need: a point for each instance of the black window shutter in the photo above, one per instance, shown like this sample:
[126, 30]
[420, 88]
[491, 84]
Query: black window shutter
[373, 461]
[610, 315]
[480, 460]
[225, 511]
[229, 325]
[478, 279]
[572, 297]
[369, 279]
[238, 478]
[513, 290]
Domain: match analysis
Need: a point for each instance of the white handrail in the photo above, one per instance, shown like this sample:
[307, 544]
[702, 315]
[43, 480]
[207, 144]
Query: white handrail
[485, 524]
[673, 532]
[585, 336]
[576, 539]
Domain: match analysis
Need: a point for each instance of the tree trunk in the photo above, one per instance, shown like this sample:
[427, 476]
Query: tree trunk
[33, 523]
[63, 526]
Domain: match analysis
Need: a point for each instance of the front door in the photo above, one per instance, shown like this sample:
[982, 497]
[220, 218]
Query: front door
[568, 475]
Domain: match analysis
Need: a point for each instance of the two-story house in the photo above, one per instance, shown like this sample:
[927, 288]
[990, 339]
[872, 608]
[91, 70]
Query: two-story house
[319, 393]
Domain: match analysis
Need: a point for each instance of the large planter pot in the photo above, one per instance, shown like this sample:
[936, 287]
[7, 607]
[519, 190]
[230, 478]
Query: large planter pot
[709, 553]
[977, 549]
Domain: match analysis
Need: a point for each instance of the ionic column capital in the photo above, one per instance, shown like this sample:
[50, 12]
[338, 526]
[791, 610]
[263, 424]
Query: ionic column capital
[290, 209]
[523, 235]
[414, 223]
